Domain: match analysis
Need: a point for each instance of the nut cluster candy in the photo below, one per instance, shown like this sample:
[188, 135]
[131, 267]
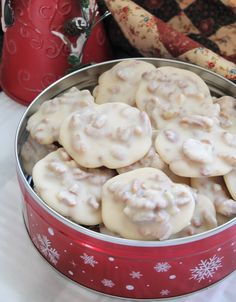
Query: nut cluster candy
[203, 219]
[111, 135]
[32, 152]
[150, 159]
[168, 92]
[147, 205]
[71, 190]
[196, 146]
[151, 155]
[215, 189]
[44, 124]
[227, 116]
[119, 84]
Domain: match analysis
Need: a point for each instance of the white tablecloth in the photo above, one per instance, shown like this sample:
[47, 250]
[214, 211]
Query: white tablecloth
[24, 275]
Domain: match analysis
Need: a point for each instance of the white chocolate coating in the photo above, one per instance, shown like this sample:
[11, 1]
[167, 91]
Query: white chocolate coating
[195, 146]
[214, 188]
[113, 135]
[230, 181]
[227, 116]
[204, 218]
[119, 84]
[170, 92]
[32, 152]
[70, 190]
[44, 124]
[145, 204]
[151, 159]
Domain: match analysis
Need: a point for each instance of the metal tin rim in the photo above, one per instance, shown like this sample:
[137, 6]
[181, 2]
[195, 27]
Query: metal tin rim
[99, 236]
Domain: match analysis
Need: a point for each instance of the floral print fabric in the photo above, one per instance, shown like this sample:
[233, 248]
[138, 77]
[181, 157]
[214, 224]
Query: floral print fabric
[151, 36]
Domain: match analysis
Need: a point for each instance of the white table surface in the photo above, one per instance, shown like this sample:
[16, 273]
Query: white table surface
[24, 275]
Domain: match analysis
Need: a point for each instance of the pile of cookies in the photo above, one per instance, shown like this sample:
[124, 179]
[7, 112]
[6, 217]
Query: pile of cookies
[148, 155]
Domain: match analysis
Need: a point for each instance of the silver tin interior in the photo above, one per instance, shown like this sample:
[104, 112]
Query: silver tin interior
[86, 78]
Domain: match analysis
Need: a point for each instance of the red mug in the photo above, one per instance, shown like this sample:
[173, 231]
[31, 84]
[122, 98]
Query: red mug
[33, 57]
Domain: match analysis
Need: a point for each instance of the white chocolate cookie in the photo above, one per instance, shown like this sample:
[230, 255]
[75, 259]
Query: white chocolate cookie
[113, 135]
[32, 152]
[195, 146]
[214, 188]
[230, 181]
[45, 123]
[145, 204]
[168, 92]
[151, 159]
[70, 190]
[204, 218]
[227, 116]
[119, 84]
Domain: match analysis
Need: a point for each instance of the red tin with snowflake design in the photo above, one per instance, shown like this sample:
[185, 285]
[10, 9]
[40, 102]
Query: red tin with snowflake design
[121, 267]
[33, 57]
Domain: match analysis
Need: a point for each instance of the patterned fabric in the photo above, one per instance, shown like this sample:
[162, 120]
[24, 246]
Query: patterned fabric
[153, 37]
[212, 23]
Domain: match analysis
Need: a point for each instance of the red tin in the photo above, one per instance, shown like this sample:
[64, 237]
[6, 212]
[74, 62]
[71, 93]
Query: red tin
[33, 57]
[122, 267]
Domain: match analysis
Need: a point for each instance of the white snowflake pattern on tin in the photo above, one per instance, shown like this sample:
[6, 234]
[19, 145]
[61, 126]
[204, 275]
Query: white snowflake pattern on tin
[162, 267]
[88, 259]
[108, 283]
[165, 292]
[129, 287]
[44, 245]
[51, 231]
[73, 263]
[135, 275]
[206, 268]
[172, 277]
